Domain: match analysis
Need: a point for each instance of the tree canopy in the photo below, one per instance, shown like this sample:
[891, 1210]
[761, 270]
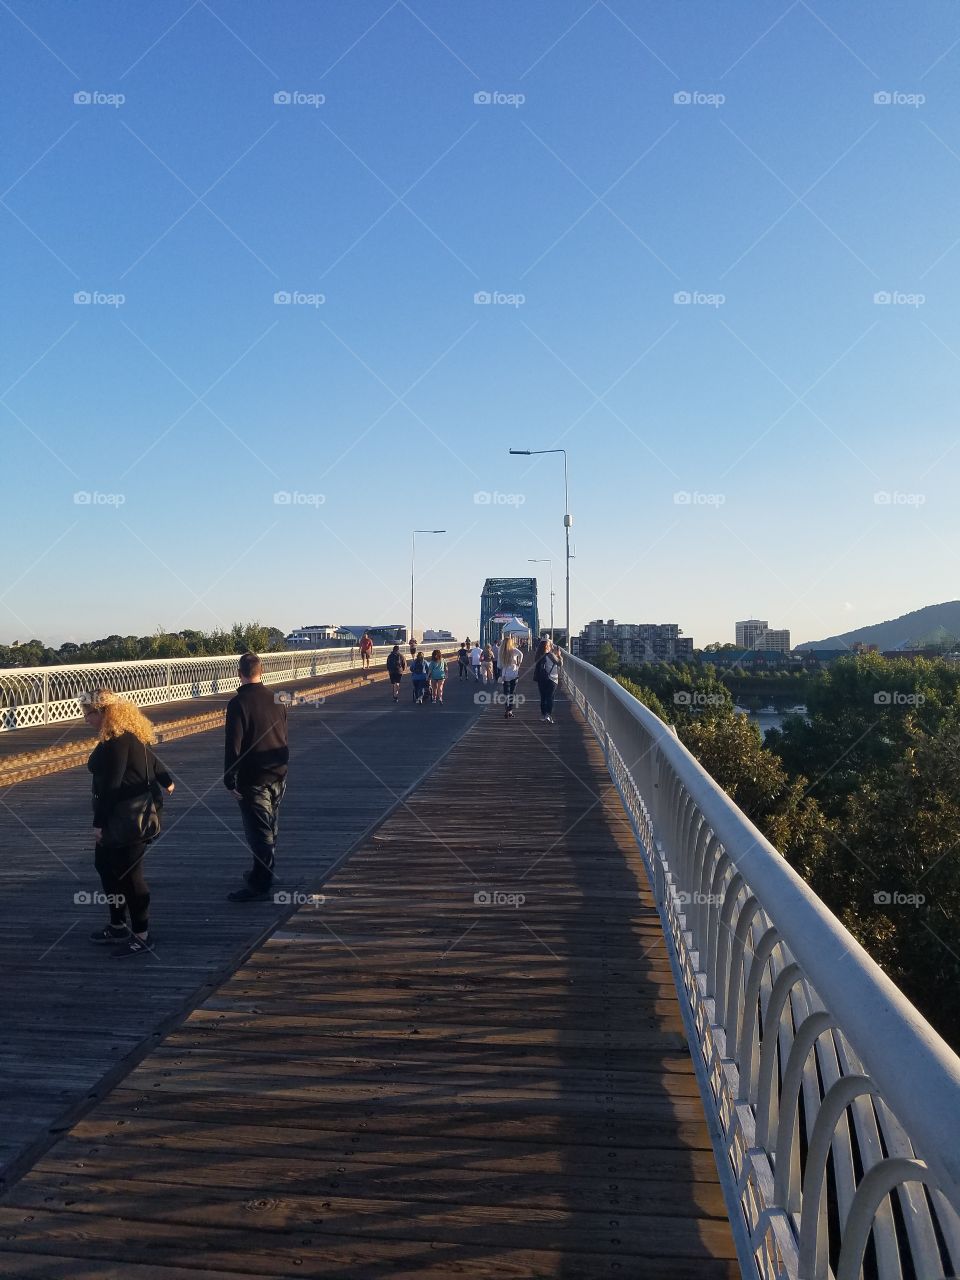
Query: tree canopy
[861, 794]
[162, 644]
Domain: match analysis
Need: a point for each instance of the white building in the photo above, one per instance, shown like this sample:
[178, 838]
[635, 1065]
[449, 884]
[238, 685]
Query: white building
[316, 636]
[437, 635]
[749, 633]
[775, 641]
[754, 633]
[636, 642]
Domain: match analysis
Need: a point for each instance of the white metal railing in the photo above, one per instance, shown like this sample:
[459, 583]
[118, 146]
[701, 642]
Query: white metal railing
[836, 1104]
[48, 695]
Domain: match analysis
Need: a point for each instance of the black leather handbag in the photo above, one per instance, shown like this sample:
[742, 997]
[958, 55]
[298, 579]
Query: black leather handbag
[136, 819]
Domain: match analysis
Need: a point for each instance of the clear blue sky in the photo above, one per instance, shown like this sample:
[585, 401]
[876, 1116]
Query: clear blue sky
[782, 412]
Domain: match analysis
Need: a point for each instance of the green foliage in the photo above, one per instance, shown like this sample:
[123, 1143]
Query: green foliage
[646, 696]
[880, 816]
[861, 714]
[730, 748]
[898, 841]
[683, 689]
[163, 644]
[607, 659]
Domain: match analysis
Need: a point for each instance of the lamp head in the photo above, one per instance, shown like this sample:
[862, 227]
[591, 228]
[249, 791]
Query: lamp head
[525, 452]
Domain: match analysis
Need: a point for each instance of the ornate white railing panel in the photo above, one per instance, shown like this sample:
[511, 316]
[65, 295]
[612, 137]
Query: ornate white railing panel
[836, 1104]
[47, 695]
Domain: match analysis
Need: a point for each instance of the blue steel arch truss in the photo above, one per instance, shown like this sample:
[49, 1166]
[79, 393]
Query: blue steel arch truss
[515, 596]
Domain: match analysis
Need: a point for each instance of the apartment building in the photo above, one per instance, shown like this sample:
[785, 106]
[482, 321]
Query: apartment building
[635, 642]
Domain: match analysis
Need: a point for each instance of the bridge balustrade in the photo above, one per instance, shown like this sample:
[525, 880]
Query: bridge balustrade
[835, 1106]
[48, 695]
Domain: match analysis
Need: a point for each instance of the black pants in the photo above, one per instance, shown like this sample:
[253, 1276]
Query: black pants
[463, 670]
[548, 689]
[509, 689]
[260, 810]
[122, 875]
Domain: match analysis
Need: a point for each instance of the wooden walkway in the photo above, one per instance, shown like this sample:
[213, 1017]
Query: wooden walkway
[417, 1077]
[73, 1019]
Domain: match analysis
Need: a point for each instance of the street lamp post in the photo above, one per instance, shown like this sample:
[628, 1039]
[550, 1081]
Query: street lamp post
[550, 563]
[413, 557]
[567, 519]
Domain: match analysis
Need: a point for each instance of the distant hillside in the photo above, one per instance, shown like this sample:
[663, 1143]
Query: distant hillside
[936, 624]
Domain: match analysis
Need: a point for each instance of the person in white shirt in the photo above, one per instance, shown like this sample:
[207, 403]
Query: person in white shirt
[510, 660]
[476, 657]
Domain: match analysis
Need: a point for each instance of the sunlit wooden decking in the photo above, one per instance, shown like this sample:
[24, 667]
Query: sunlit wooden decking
[467, 1060]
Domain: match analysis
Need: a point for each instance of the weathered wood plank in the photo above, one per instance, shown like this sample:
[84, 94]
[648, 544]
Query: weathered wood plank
[64, 994]
[411, 1080]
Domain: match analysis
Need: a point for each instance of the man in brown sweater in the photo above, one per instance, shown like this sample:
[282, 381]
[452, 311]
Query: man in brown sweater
[255, 771]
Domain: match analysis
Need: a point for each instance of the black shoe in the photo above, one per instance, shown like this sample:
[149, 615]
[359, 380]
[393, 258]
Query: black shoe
[110, 933]
[133, 947]
[249, 895]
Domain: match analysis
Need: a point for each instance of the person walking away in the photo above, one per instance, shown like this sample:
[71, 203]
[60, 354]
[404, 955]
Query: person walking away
[476, 658]
[124, 770]
[438, 674]
[366, 650]
[413, 648]
[486, 666]
[256, 755]
[463, 662]
[510, 660]
[546, 672]
[419, 676]
[396, 665]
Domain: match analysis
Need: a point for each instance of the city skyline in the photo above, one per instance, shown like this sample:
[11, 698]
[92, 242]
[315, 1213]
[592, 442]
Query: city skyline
[286, 292]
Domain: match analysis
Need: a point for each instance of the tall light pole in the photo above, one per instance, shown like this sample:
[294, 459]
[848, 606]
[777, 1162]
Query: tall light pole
[567, 520]
[550, 563]
[413, 557]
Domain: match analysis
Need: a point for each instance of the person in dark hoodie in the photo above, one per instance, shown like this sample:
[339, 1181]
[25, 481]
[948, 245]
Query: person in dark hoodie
[124, 768]
[255, 771]
[396, 665]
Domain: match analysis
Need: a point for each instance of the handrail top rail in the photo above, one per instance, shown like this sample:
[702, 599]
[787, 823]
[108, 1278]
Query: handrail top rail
[916, 1071]
[186, 657]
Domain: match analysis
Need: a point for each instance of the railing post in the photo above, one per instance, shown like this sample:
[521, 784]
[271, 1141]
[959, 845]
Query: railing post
[46, 697]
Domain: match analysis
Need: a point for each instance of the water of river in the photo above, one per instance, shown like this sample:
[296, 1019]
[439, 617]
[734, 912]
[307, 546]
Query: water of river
[769, 718]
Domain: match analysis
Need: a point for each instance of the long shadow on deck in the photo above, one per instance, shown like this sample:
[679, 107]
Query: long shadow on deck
[413, 1082]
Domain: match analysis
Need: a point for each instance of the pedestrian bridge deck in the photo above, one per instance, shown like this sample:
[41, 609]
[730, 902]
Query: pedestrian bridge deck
[410, 1079]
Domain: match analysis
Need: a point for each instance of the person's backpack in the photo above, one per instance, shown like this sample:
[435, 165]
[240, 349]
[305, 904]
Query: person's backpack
[419, 668]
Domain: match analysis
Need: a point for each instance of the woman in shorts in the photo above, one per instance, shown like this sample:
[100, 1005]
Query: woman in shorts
[438, 674]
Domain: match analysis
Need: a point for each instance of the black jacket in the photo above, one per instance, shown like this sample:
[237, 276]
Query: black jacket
[396, 663]
[121, 768]
[256, 739]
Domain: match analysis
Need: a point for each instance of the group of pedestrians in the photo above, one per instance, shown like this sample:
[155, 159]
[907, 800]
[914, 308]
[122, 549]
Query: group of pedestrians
[427, 675]
[129, 784]
[488, 664]
[547, 667]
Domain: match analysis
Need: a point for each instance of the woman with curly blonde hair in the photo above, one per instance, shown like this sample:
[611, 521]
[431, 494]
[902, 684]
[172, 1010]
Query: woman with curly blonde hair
[124, 768]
